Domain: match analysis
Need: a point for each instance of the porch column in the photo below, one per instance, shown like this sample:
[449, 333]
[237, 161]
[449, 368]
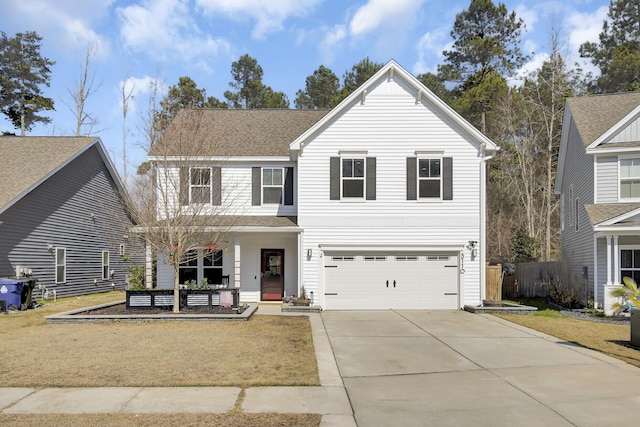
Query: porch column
[616, 261]
[148, 265]
[236, 263]
[609, 260]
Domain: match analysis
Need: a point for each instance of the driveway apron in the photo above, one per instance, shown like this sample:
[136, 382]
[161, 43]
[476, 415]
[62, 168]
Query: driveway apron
[453, 368]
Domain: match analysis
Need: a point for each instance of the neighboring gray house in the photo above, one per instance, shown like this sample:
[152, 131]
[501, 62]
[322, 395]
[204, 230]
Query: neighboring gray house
[598, 180]
[62, 216]
[377, 204]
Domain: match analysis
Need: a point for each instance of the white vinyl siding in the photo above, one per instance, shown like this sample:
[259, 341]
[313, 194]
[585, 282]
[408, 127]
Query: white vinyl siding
[391, 127]
[629, 133]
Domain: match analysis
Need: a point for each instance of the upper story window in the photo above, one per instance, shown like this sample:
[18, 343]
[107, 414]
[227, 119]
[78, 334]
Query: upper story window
[353, 178]
[272, 185]
[630, 178]
[429, 178]
[200, 185]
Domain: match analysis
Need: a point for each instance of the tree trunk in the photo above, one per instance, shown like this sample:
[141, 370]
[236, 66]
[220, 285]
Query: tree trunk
[176, 291]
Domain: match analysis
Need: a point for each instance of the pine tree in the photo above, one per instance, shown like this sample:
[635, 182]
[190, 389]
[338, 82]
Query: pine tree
[23, 71]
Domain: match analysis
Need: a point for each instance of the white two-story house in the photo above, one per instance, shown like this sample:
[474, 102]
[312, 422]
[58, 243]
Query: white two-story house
[376, 204]
[598, 180]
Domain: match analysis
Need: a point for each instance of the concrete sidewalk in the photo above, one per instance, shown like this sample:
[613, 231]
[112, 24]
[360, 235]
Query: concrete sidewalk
[330, 399]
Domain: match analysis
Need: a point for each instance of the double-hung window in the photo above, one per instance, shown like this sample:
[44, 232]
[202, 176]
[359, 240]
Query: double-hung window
[630, 264]
[105, 265]
[200, 185]
[212, 267]
[272, 185]
[630, 178]
[61, 265]
[353, 177]
[188, 269]
[429, 178]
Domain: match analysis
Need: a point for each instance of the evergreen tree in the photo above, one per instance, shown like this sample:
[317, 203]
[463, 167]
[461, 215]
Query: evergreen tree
[354, 78]
[250, 91]
[485, 49]
[321, 90]
[617, 55]
[23, 71]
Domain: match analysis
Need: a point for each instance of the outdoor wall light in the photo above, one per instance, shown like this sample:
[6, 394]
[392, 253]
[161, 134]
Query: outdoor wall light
[309, 253]
[49, 246]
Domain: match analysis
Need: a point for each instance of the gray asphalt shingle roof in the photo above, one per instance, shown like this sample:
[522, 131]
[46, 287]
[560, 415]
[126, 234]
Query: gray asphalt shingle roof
[594, 115]
[604, 212]
[26, 160]
[230, 133]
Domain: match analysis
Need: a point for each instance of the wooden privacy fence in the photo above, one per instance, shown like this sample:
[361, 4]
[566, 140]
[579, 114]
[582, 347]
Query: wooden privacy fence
[532, 275]
[494, 282]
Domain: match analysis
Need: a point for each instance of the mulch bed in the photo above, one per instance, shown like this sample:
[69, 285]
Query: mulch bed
[121, 309]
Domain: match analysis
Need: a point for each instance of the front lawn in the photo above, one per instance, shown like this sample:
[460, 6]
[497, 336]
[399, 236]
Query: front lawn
[266, 350]
[608, 338]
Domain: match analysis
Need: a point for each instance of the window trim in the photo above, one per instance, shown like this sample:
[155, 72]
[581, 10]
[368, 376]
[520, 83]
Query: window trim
[631, 248]
[105, 272]
[63, 265]
[192, 186]
[353, 157]
[281, 186]
[620, 179]
[577, 209]
[440, 178]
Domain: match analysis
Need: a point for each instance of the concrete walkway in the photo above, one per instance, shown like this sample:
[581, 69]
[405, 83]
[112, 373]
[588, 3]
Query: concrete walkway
[453, 368]
[409, 368]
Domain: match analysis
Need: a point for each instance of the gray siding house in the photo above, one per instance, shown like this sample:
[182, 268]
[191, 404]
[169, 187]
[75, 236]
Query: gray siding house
[598, 180]
[62, 215]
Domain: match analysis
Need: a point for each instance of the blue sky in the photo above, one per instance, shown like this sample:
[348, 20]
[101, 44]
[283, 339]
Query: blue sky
[139, 41]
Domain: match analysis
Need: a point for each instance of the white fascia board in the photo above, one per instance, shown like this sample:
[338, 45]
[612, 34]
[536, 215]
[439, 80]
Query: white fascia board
[615, 150]
[236, 229]
[601, 231]
[218, 159]
[620, 218]
[615, 128]
[393, 67]
[390, 248]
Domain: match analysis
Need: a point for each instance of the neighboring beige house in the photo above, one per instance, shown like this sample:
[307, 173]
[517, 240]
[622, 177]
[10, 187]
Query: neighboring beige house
[598, 180]
[377, 204]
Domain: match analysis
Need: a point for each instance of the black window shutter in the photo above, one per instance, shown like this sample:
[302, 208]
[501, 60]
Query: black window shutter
[256, 186]
[334, 178]
[447, 178]
[412, 180]
[371, 178]
[184, 185]
[288, 186]
[217, 185]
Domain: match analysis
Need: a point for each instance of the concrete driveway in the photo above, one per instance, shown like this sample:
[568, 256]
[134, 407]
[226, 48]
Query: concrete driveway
[453, 368]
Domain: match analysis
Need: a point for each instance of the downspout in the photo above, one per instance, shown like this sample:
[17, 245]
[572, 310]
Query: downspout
[483, 221]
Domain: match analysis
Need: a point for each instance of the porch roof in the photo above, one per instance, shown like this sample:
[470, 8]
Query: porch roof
[603, 212]
[244, 221]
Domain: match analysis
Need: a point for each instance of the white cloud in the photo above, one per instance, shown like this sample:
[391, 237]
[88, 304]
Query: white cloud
[429, 49]
[528, 15]
[330, 43]
[137, 89]
[531, 66]
[584, 27]
[164, 30]
[379, 13]
[268, 14]
[62, 23]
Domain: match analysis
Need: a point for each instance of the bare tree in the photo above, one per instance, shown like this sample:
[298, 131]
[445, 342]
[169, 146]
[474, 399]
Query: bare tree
[181, 208]
[83, 88]
[127, 98]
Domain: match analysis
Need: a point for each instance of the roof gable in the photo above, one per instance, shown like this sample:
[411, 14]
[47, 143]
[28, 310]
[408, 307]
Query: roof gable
[423, 95]
[234, 133]
[26, 162]
[599, 115]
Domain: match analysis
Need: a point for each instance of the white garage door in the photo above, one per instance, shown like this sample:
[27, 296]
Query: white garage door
[392, 281]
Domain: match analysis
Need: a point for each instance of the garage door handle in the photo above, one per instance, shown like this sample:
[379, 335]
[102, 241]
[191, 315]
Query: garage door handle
[387, 283]
[394, 283]
[451, 293]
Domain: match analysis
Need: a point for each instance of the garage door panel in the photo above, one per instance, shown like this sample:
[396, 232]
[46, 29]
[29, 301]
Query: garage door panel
[391, 281]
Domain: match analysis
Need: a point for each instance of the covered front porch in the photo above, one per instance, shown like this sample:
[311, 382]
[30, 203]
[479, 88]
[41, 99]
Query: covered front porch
[616, 244]
[261, 258]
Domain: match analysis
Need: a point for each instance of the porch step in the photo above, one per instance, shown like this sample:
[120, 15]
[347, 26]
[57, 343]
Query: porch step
[274, 303]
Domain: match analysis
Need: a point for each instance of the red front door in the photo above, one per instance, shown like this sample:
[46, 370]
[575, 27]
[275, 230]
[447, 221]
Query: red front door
[272, 275]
